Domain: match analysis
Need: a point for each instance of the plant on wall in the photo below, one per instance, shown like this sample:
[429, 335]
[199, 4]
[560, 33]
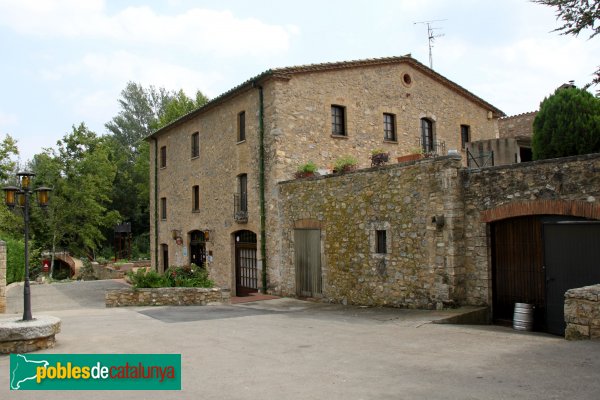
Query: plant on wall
[306, 170]
[379, 157]
[345, 164]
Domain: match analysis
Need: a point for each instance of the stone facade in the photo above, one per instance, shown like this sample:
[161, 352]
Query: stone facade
[430, 262]
[293, 106]
[422, 267]
[517, 126]
[2, 277]
[582, 313]
[178, 296]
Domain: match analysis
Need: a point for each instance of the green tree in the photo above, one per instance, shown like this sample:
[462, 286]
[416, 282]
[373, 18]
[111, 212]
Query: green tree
[143, 110]
[178, 106]
[577, 15]
[81, 174]
[8, 150]
[568, 123]
[10, 224]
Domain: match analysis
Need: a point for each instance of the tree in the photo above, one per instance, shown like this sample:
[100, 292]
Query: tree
[568, 123]
[143, 110]
[178, 106]
[8, 149]
[577, 15]
[81, 174]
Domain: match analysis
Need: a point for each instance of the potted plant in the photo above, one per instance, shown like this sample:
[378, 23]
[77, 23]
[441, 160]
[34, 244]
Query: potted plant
[306, 170]
[345, 164]
[416, 153]
[379, 157]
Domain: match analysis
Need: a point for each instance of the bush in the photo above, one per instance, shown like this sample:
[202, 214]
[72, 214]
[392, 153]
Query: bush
[15, 261]
[189, 276]
[567, 124]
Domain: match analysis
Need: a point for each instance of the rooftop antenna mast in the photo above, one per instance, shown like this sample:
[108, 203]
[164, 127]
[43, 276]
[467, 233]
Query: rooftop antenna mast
[431, 36]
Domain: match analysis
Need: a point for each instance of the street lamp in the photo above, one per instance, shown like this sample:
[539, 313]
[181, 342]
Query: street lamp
[19, 197]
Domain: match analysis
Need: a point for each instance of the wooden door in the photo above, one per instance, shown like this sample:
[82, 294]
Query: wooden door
[307, 246]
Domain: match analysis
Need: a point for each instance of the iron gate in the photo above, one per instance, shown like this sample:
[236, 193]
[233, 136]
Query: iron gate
[246, 272]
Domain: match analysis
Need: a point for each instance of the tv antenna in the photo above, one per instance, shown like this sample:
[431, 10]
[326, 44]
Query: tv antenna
[431, 35]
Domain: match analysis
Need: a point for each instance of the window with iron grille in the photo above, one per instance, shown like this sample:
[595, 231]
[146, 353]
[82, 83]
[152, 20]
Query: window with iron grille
[389, 127]
[381, 242]
[242, 126]
[163, 156]
[195, 198]
[163, 208]
[465, 135]
[338, 120]
[195, 145]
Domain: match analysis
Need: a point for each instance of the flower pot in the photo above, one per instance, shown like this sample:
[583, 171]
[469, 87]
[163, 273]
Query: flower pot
[410, 157]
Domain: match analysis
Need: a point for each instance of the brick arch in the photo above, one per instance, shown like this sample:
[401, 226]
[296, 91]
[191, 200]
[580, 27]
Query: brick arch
[574, 208]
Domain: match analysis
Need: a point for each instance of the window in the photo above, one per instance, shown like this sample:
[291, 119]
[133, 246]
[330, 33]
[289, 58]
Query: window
[465, 135]
[338, 121]
[195, 198]
[163, 157]
[427, 135]
[381, 242]
[242, 126]
[195, 145]
[243, 191]
[163, 208]
[389, 127]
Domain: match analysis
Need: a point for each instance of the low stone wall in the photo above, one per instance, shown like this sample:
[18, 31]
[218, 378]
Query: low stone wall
[18, 336]
[167, 297]
[582, 313]
[2, 277]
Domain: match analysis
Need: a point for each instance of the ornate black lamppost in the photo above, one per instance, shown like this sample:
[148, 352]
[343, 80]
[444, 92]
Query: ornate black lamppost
[19, 197]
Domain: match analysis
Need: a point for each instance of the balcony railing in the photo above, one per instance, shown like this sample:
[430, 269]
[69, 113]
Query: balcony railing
[240, 208]
[434, 148]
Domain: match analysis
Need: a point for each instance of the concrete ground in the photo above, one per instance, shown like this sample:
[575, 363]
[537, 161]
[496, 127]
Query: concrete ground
[290, 349]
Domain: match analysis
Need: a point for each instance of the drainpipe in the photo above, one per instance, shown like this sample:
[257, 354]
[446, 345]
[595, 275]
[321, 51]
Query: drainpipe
[155, 204]
[261, 185]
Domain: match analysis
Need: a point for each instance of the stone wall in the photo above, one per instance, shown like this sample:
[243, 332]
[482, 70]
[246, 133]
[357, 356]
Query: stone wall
[423, 264]
[582, 313]
[2, 277]
[564, 186]
[178, 296]
[517, 126]
[428, 264]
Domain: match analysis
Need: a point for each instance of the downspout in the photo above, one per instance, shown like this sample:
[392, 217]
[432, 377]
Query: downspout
[261, 185]
[155, 204]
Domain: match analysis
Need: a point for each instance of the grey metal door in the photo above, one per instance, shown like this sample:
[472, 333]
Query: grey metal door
[307, 246]
[572, 260]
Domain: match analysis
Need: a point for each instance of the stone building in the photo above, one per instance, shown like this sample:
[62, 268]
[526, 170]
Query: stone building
[215, 172]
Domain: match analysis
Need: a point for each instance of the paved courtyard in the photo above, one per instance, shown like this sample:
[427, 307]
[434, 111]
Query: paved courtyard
[290, 349]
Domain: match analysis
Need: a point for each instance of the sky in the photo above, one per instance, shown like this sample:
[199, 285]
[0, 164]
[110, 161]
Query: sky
[63, 62]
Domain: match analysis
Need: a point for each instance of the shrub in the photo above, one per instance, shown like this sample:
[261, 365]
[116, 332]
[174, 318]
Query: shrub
[567, 124]
[188, 276]
[15, 261]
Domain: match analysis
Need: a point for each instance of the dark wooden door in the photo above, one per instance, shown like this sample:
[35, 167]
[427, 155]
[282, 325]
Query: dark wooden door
[165, 257]
[517, 268]
[307, 249]
[246, 272]
[572, 260]
[197, 249]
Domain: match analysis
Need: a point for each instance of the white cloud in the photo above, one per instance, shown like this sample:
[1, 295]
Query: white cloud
[197, 30]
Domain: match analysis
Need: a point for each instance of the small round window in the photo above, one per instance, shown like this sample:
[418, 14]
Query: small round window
[407, 79]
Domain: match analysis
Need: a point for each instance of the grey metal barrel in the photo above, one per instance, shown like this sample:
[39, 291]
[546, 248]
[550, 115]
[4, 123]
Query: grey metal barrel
[523, 317]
